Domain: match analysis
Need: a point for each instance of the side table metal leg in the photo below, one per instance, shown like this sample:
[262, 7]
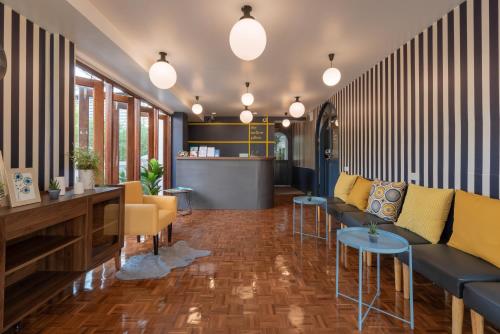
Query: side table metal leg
[188, 200]
[378, 274]
[316, 209]
[327, 228]
[337, 269]
[410, 261]
[360, 290]
[293, 219]
[301, 222]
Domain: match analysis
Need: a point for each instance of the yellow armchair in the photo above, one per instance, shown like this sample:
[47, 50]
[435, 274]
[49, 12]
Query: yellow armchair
[148, 215]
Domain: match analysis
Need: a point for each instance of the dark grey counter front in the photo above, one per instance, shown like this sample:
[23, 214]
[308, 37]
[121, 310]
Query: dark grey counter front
[227, 183]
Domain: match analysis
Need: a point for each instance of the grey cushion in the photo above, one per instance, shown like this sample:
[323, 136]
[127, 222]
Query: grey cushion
[338, 209]
[484, 298]
[450, 268]
[360, 219]
[413, 238]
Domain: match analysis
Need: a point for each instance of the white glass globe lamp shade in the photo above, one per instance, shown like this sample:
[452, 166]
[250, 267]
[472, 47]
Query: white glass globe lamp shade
[297, 109]
[197, 108]
[162, 74]
[246, 116]
[247, 99]
[285, 123]
[247, 37]
[331, 76]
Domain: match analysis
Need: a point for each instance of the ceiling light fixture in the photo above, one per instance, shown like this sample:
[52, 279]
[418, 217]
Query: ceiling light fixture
[247, 37]
[332, 75]
[285, 122]
[162, 74]
[246, 116]
[247, 98]
[297, 109]
[197, 108]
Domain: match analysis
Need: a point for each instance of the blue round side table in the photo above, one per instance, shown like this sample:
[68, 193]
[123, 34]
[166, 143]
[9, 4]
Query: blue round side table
[181, 191]
[318, 202]
[387, 243]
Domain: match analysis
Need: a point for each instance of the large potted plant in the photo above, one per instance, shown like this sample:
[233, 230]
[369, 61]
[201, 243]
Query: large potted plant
[151, 177]
[87, 164]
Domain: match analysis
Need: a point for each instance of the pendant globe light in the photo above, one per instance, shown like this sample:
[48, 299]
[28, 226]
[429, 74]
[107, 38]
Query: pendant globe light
[247, 98]
[332, 75]
[247, 37]
[162, 74]
[285, 122]
[246, 116]
[197, 108]
[297, 108]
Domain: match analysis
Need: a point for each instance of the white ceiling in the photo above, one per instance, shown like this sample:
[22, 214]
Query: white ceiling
[195, 33]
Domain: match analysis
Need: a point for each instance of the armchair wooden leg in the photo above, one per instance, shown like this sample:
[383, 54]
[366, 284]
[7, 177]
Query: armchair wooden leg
[457, 315]
[397, 274]
[406, 281]
[155, 244]
[139, 238]
[170, 233]
[477, 321]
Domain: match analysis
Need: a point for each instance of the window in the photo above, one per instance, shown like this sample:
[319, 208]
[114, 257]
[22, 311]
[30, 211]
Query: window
[125, 131]
[144, 150]
[281, 146]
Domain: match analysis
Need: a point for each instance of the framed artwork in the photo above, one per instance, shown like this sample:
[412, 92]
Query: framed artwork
[4, 201]
[23, 186]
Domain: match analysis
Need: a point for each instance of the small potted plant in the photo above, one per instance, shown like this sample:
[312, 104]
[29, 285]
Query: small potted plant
[373, 232]
[54, 189]
[87, 164]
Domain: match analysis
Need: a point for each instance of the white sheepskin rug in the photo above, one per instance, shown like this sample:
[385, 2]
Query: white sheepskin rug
[147, 266]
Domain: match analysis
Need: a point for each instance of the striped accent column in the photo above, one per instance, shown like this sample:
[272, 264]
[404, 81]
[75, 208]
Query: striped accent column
[429, 112]
[36, 98]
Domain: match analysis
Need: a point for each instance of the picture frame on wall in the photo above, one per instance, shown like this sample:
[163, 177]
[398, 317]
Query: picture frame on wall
[23, 186]
[4, 191]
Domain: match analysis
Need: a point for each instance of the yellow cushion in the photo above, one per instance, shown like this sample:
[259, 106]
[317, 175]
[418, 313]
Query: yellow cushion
[359, 193]
[133, 192]
[476, 226]
[344, 185]
[425, 211]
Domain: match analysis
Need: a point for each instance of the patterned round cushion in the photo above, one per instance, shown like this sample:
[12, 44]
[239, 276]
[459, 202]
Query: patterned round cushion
[386, 199]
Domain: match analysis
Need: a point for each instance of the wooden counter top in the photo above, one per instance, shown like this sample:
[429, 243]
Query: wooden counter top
[224, 158]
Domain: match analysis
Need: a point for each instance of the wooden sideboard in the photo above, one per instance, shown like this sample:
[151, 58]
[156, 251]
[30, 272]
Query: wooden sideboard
[48, 245]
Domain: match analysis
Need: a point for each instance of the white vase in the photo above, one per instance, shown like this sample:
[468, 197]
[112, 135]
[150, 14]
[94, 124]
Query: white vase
[87, 177]
[62, 184]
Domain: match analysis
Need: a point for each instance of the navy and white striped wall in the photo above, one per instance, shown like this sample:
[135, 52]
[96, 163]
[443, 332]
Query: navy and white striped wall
[36, 98]
[429, 112]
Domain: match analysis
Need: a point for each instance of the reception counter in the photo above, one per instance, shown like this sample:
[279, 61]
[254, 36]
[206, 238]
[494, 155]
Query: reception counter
[227, 183]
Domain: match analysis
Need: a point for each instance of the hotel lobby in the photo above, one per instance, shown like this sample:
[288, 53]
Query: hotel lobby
[289, 166]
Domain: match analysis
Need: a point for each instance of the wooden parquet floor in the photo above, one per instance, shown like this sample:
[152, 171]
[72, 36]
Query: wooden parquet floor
[259, 279]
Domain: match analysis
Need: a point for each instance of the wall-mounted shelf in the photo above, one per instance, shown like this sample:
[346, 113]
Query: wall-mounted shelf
[48, 245]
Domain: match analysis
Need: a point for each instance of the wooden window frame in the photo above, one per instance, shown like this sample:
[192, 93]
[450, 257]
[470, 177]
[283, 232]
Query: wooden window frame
[106, 140]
